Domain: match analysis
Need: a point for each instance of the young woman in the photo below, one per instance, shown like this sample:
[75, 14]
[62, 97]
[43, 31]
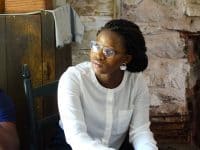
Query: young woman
[102, 101]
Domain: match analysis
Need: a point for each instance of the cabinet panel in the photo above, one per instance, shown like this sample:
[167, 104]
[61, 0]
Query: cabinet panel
[3, 77]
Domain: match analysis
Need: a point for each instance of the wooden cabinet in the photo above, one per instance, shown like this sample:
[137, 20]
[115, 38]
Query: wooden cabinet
[29, 39]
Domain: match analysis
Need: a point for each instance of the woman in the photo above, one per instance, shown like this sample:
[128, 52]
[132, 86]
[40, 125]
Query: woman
[102, 101]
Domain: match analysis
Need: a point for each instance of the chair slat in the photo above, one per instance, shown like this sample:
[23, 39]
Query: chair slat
[48, 121]
[31, 93]
[46, 90]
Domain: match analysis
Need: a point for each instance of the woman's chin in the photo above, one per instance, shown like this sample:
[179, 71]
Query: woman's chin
[98, 70]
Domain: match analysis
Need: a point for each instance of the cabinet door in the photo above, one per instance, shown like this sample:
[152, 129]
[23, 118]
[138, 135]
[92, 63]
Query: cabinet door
[29, 39]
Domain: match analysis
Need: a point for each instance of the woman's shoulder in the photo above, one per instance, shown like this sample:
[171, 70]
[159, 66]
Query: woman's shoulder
[135, 76]
[138, 80]
[80, 68]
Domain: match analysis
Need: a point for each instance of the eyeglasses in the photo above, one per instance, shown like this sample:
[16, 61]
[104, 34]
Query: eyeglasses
[96, 47]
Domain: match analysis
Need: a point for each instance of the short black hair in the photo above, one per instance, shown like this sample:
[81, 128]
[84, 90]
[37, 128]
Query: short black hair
[134, 42]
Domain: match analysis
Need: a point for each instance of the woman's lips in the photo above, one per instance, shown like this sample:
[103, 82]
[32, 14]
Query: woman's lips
[97, 64]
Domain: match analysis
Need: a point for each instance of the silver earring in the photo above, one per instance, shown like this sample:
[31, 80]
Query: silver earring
[123, 66]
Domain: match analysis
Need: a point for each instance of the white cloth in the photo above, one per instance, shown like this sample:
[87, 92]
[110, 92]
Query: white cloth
[97, 118]
[67, 25]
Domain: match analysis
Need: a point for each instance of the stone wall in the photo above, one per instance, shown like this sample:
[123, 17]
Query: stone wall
[169, 73]
[161, 22]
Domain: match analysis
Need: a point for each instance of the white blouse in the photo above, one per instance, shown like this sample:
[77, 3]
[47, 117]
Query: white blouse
[97, 118]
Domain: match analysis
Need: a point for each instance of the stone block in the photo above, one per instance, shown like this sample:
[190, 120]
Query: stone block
[193, 8]
[94, 22]
[93, 8]
[165, 14]
[165, 45]
[166, 79]
[152, 10]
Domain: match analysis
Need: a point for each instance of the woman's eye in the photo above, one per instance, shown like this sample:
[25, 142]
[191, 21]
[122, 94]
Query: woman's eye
[108, 52]
[95, 48]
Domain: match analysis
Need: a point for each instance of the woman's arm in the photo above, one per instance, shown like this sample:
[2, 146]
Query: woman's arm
[72, 114]
[140, 134]
[8, 136]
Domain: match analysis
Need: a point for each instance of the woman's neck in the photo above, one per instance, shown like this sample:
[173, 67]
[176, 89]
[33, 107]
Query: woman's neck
[110, 80]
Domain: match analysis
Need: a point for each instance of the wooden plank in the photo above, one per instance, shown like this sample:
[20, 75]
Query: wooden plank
[3, 74]
[2, 6]
[170, 119]
[48, 59]
[48, 47]
[173, 140]
[23, 41]
[167, 126]
[55, 61]
[13, 6]
[63, 59]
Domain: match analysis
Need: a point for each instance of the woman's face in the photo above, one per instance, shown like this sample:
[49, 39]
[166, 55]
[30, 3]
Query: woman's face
[102, 64]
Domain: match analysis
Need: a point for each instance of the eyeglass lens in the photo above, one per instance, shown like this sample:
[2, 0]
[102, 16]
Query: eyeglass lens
[95, 47]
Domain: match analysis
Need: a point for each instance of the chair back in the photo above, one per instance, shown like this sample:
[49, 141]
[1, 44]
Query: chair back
[32, 93]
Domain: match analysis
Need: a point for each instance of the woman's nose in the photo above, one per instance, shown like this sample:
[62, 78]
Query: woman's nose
[99, 55]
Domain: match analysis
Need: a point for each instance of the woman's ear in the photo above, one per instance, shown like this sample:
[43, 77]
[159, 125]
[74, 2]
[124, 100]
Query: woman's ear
[128, 58]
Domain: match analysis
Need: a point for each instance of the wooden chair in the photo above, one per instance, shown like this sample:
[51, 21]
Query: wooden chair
[37, 125]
